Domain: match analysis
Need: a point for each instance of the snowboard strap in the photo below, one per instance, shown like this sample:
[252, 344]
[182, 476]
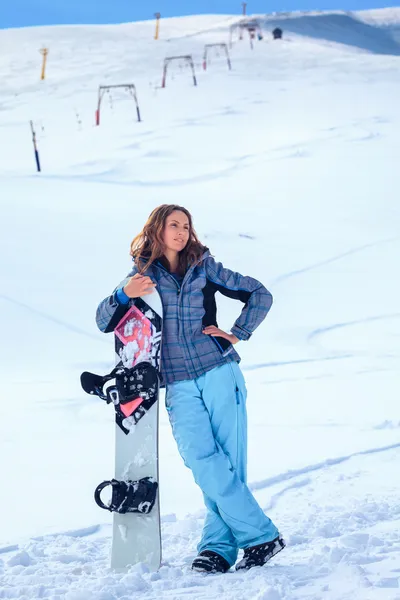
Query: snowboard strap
[96, 384]
[129, 496]
[128, 383]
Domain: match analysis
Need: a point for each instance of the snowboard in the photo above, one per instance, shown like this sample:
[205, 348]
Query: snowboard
[133, 388]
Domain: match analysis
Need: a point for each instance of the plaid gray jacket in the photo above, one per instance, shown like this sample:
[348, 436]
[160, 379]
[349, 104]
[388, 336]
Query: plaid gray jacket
[190, 306]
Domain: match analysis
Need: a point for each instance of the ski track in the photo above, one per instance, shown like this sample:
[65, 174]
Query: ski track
[323, 330]
[52, 319]
[293, 486]
[333, 259]
[296, 150]
[317, 467]
[295, 362]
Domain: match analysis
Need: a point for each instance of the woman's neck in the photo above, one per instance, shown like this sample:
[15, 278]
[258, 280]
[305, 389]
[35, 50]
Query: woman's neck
[173, 259]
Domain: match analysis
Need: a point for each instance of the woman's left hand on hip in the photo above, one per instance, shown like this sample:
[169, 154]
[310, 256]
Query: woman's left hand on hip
[216, 332]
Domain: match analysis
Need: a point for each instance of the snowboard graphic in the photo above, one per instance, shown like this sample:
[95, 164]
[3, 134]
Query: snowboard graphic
[133, 388]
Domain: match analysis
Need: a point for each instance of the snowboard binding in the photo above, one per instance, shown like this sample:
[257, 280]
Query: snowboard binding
[142, 379]
[129, 496]
[123, 384]
[132, 391]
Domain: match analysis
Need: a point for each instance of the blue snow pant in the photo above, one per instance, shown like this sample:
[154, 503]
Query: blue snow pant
[209, 424]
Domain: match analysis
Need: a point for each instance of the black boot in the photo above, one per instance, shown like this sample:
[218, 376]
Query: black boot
[257, 556]
[210, 562]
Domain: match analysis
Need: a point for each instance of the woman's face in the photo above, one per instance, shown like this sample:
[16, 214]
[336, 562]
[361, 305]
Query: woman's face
[176, 231]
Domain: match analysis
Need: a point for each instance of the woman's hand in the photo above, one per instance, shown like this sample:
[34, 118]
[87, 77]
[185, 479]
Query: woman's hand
[214, 331]
[139, 285]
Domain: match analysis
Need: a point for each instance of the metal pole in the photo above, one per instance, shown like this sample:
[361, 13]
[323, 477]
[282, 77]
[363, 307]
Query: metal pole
[35, 147]
[164, 79]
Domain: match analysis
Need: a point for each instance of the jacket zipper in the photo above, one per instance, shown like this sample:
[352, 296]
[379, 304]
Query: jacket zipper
[179, 287]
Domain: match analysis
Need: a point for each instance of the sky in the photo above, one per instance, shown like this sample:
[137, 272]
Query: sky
[23, 13]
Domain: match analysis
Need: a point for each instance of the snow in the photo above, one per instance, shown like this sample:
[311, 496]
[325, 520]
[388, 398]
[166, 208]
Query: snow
[289, 165]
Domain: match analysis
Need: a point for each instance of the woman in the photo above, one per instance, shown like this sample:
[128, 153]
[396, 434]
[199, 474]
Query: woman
[205, 389]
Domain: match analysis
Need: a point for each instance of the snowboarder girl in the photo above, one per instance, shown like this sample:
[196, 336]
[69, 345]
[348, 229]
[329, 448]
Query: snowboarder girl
[205, 388]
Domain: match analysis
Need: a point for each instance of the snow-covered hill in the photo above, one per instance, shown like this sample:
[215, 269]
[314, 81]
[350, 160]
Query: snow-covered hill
[351, 29]
[289, 165]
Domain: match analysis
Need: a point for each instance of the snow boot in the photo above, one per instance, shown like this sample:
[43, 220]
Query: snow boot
[210, 562]
[257, 556]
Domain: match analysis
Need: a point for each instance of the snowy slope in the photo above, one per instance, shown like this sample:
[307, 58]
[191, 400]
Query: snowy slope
[341, 27]
[289, 164]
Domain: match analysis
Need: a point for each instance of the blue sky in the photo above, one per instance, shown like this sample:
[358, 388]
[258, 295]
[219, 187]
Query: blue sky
[21, 13]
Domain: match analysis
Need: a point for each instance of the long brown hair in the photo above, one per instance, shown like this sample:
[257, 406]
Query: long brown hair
[149, 246]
